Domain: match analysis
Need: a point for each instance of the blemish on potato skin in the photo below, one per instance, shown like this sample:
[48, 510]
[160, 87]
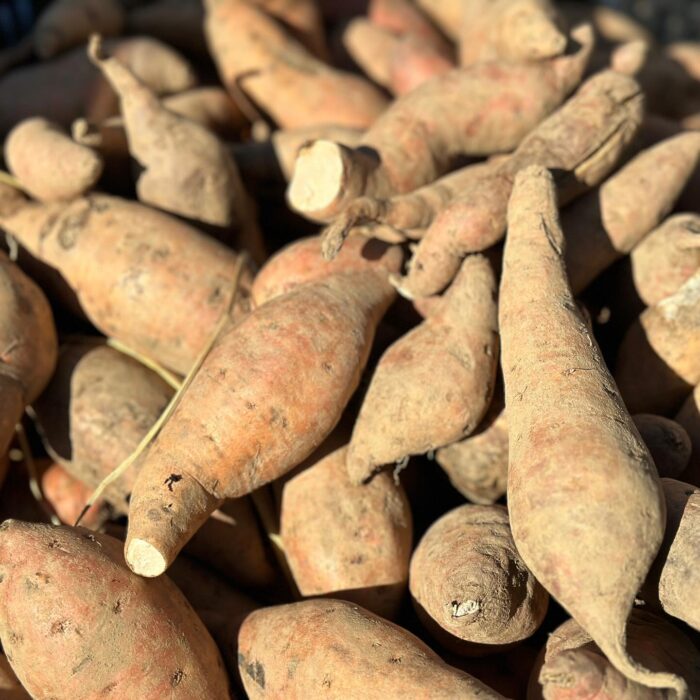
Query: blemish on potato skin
[254, 669]
[81, 665]
[177, 678]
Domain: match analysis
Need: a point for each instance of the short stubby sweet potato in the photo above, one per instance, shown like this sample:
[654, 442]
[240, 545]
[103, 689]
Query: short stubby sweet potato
[434, 384]
[142, 277]
[658, 363]
[48, 163]
[575, 668]
[469, 585]
[673, 585]
[665, 258]
[354, 543]
[270, 391]
[76, 623]
[478, 465]
[340, 650]
[668, 443]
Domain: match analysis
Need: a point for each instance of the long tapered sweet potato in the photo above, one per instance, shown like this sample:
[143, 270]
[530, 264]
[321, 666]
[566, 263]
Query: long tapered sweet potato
[478, 465]
[124, 260]
[187, 170]
[434, 384]
[510, 30]
[269, 392]
[48, 163]
[607, 223]
[107, 402]
[68, 23]
[582, 142]
[478, 110]
[343, 651]
[576, 669]
[469, 584]
[665, 258]
[564, 409]
[75, 622]
[658, 363]
[355, 543]
[255, 54]
[668, 443]
[69, 87]
[28, 345]
[673, 584]
[689, 418]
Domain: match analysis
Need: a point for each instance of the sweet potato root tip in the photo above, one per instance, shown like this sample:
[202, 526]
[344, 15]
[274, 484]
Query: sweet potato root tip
[144, 559]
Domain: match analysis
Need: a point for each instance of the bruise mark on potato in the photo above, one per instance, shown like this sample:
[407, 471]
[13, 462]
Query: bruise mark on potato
[81, 665]
[172, 479]
[108, 688]
[177, 677]
[254, 669]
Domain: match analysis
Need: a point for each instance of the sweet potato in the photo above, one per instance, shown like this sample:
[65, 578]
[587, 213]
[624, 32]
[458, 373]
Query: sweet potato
[509, 30]
[413, 63]
[10, 687]
[124, 260]
[564, 409]
[575, 668]
[658, 363]
[354, 543]
[447, 14]
[478, 465]
[417, 138]
[75, 622]
[302, 17]
[187, 170]
[67, 496]
[65, 24]
[689, 418]
[211, 107]
[607, 223]
[667, 441]
[292, 365]
[371, 47]
[582, 142]
[48, 163]
[255, 54]
[469, 585]
[673, 584]
[70, 87]
[175, 22]
[109, 402]
[665, 258]
[611, 25]
[28, 342]
[337, 648]
[434, 384]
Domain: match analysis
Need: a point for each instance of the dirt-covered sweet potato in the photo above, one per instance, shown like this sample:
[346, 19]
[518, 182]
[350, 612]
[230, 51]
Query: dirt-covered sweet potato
[668, 443]
[347, 541]
[76, 623]
[469, 585]
[340, 650]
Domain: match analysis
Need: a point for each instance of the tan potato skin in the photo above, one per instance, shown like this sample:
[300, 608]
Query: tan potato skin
[413, 63]
[269, 392]
[354, 542]
[665, 258]
[434, 384]
[69, 87]
[337, 650]
[141, 276]
[564, 409]
[673, 585]
[209, 106]
[28, 345]
[470, 586]
[255, 54]
[575, 669]
[658, 363]
[76, 623]
[478, 465]
[668, 443]
[68, 496]
[48, 163]
[607, 223]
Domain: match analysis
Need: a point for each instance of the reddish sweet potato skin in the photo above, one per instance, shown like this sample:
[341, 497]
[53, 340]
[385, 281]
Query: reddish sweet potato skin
[337, 649]
[76, 623]
[141, 276]
[355, 543]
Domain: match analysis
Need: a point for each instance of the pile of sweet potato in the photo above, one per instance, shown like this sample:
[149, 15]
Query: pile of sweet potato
[349, 350]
